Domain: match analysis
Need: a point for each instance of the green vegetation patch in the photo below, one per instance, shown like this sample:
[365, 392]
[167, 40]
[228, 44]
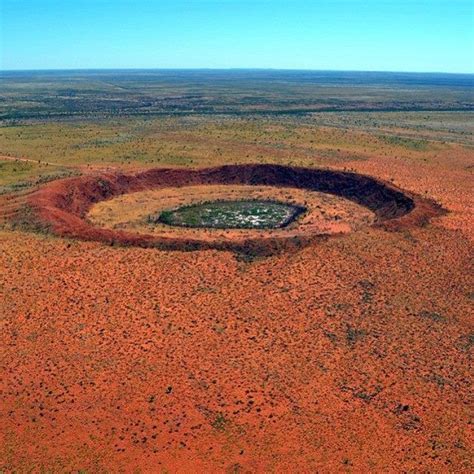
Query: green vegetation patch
[409, 143]
[250, 214]
[42, 177]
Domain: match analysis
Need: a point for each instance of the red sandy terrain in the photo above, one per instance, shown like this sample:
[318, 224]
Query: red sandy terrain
[351, 353]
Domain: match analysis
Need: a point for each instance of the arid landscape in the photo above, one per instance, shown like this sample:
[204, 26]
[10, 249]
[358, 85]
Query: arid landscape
[341, 342]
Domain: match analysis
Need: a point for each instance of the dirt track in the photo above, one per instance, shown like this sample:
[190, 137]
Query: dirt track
[28, 160]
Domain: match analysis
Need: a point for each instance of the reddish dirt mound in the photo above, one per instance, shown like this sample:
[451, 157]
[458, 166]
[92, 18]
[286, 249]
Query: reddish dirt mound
[63, 205]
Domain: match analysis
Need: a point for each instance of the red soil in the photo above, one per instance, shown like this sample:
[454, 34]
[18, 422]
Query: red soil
[352, 354]
[63, 205]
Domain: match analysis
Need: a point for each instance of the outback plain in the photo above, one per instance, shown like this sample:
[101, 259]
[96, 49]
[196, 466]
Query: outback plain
[341, 342]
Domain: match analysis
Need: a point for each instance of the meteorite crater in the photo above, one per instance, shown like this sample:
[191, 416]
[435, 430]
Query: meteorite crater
[64, 205]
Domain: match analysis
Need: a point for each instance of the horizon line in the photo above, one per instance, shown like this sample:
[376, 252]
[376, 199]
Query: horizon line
[230, 69]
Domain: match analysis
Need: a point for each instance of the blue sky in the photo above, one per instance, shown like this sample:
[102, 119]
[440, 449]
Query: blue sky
[381, 35]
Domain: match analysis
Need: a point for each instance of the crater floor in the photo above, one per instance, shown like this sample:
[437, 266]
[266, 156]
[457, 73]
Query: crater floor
[326, 214]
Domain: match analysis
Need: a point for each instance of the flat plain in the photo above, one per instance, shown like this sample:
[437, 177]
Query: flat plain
[352, 353]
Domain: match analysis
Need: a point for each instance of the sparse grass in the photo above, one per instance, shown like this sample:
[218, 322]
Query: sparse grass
[27, 221]
[220, 332]
[17, 186]
[466, 342]
[316, 140]
[409, 143]
[220, 422]
[432, 316]
[354, 335]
